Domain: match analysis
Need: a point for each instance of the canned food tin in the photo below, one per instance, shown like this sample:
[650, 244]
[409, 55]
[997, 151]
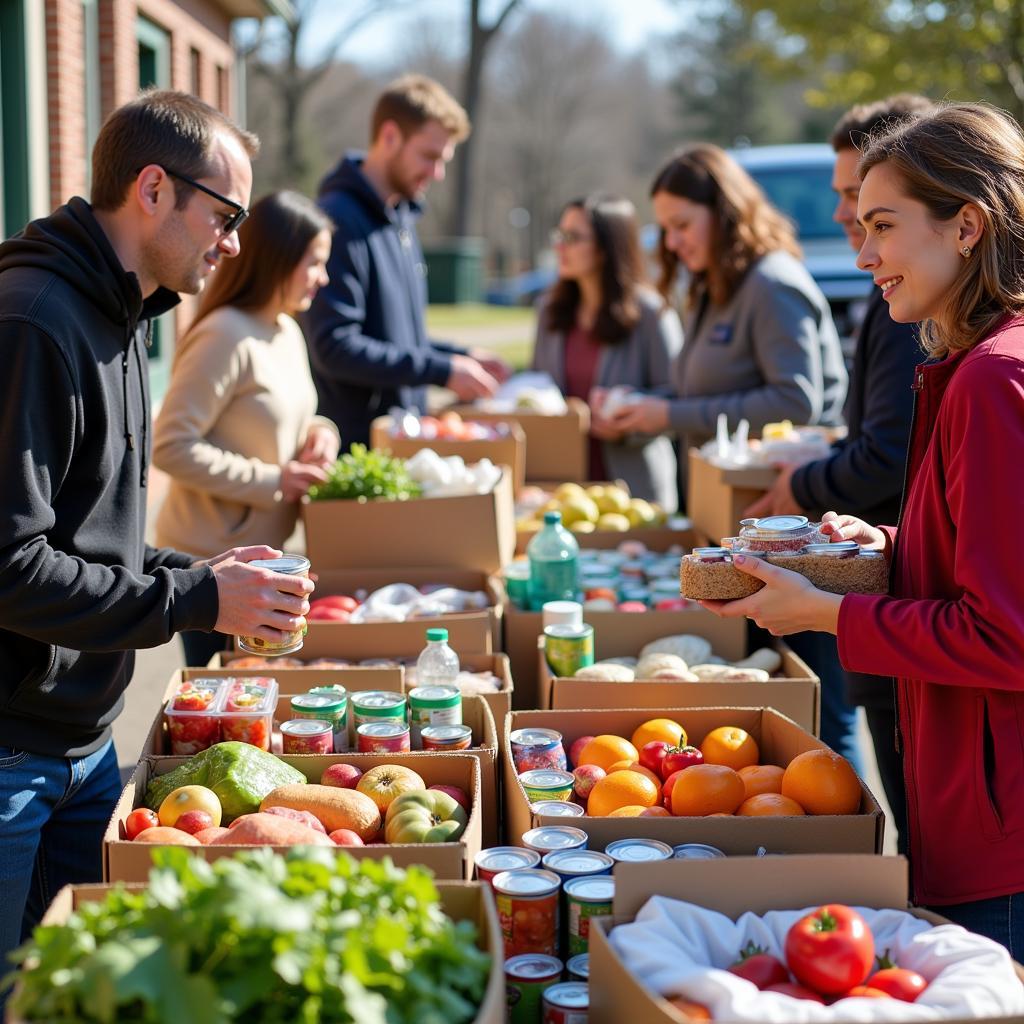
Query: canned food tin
[307, 736]
[503, 858]
[558, 809]
[288, 565]
[586, 898]
[338, 692]
[578, 968]
[526, 978]
[547, 784]
[569, 864]
[528, 908]
[547, 838]
[567, 1003]
[537, 748]
[517, 583]
[382, 738]
[373, 705]
[696, 851]
[568, 648]
[325, 707]
[638, 850]
[446, 737]
[433, 705]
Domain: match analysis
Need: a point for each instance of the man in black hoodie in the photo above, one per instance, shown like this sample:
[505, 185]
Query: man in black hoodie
[368, 344]
[80, 589]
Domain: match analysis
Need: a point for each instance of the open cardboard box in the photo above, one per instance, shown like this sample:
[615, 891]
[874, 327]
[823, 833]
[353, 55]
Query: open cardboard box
[509, 450]
[795, 692]
[556, 446]
[733, 887]
[779, 740]
[461, 901]
[475, 531]
[126, 861]
[717, 498]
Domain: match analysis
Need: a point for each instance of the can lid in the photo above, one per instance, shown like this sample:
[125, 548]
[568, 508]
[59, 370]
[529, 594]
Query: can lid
[579, 965]
[290, 565]
[638, 850]
[546, 778]
[526, 882]
[582, 862]
[555, 837]
[318, 702]
[378, 699]
[572, 994]
[533, 965]
[558, 809]
[696, 851]
[306, 727]
[506, 858]
[389, 728]
[535, 737]
[781, 524]
[446, 733]
[593, 889]
[836, 549]
[435, 635]
[435, 693]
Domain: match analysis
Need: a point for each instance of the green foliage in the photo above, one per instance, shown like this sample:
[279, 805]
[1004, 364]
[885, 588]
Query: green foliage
[365, 474]
[312, 937]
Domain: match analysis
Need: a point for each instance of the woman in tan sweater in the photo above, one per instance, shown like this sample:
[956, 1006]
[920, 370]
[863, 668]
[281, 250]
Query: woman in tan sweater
[237, 432]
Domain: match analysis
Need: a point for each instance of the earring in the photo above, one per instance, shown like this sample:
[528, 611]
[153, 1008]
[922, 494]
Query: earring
[966, 252]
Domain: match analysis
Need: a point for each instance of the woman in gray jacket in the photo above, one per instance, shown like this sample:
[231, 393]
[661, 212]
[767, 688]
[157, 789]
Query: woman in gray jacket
[600, 327]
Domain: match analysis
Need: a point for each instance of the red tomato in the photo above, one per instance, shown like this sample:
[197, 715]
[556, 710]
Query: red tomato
[346, 604]
[677, 758]
[328, 614]
[758, 967]
[666, 789]
[831, 949]
[652, 754]
[139, 820]
[898, 982]
[865, 992]
[789, 988]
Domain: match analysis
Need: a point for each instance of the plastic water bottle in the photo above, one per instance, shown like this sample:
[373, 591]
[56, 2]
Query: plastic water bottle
[553, 554]
[438, 664]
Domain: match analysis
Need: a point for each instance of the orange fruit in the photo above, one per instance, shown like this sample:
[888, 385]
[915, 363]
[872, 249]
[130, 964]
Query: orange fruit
[620, 767]
[731, 746]
[761, 778]
[659, 729]
[768, 804]
[605, 750]
[621, 789]
[629, 811]
[822, 782]
[707, 789]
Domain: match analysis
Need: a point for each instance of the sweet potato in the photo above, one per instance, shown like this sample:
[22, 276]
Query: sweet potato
[302, 817]
[207, 835]
[335, 808]
[162, 834]
[270, 830]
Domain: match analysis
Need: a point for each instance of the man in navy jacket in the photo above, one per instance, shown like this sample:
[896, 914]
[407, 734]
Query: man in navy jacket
[367, 338]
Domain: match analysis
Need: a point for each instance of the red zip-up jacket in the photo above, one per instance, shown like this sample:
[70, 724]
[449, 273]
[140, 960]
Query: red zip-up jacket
[952, 631]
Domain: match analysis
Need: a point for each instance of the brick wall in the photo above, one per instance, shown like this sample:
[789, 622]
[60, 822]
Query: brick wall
[65, 86]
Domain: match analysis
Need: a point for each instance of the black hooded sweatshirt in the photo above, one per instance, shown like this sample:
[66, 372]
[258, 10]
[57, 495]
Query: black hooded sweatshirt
[80, 589]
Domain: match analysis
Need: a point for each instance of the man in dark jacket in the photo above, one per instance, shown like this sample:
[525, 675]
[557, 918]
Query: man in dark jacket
[80, 589]
[367, 338]
[863, 476]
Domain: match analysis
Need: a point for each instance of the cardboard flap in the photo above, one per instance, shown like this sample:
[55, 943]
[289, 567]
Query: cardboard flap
[734, 885]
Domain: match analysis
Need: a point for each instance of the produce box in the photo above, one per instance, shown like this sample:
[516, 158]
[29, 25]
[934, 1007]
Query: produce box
[717, 498]
[556, 446]
[509, 450]
[461, 901]
[779, 739]
[734, 886]
[795, 691]
[126, 861]
[472, 532]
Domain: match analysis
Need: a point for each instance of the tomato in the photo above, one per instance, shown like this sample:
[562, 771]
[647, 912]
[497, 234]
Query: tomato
[898, 982]
[322, 614]
[759, 968]
[831, 949]
[789, 988]
[666, 789]
[139, 820]
[865, 992]
[677, 758]
[339, 601]
[424, 816]
[652, 754]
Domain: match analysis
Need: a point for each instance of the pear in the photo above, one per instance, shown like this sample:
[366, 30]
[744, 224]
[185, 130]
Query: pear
[640, 513]
[613, 522]
[577, 509]
[614, 499]
[583, 526]
[566, 491]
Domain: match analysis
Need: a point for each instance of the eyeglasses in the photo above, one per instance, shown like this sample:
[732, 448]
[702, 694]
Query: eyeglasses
[232, 223]
[559, 237]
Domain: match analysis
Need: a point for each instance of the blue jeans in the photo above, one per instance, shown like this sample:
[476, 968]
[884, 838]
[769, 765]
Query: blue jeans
[53, 813]
[1000, 919]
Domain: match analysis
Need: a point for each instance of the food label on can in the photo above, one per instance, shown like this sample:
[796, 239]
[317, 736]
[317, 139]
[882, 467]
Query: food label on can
[567, 649]
[529, 925]
[579, 923]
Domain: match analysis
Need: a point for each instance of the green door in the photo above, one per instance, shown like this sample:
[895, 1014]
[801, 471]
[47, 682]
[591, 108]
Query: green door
[14, 164]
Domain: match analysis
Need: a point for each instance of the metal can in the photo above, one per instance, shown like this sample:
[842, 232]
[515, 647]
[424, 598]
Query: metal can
[382, 738]
[578, 968]
[636, 851]
[586, 898]
[336, 690]
[696, 851]
[568, 648]
[288, 565]
[528, 908]
[547, 784]
[558, 809]
[568, 864]
[503, 858]
[446, 737]
[375, 705]
[567, 1003]
[837, 549]
[537, 748]
[325, 707]
[548, 838]
[517, 583]
[433, 705]
[526, 978]
[307, 736]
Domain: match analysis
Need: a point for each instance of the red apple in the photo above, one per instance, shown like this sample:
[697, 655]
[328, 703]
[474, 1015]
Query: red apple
[193, 822]
[587, 777]
[341, 776]
[652, 754]
[460, 796]
[576, 749]
[677, 758]
[345, 837]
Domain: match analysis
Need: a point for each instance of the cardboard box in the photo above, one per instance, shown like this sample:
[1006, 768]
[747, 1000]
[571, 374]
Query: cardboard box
[779, 739]
[461, 901]
[717, 498]
[556, 446]
[795, 692]
[509, 450]
[734, 886]
[476, 531]
[125, 861]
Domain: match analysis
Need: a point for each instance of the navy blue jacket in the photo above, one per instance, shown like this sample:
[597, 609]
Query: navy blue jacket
[368, 345]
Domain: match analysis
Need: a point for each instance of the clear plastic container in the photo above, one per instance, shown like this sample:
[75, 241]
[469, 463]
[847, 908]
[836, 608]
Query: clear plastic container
[247, 712]
[207, 711]
[553, 555]
[778, 533]
[438, 664]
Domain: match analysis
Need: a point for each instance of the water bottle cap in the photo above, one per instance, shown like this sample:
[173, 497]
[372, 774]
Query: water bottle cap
[552, 517]
[437, 634]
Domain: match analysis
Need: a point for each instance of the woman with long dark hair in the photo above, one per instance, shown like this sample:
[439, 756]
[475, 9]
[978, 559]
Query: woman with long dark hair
[237, 432]
[602, 327]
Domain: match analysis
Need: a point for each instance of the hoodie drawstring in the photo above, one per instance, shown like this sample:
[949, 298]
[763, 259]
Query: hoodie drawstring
[132, 342]
[130, 333]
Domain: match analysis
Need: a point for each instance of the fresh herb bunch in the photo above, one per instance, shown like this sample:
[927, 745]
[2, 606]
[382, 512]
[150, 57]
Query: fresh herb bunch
[311, 937]
[363, 474]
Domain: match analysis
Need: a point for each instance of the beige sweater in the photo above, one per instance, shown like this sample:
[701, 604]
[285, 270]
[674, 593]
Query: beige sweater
[240, 403]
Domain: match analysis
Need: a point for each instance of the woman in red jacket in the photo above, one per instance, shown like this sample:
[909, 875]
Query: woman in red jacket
[942, 203]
